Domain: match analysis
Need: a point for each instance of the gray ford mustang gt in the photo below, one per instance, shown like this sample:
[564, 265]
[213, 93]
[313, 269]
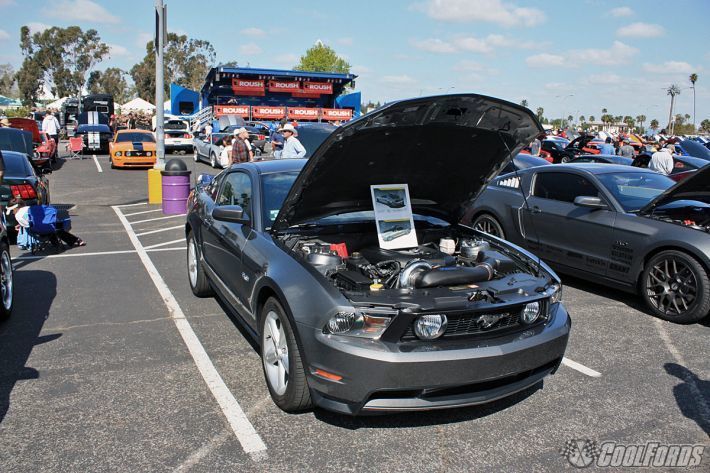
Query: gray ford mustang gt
[291, 247]
[629, 228]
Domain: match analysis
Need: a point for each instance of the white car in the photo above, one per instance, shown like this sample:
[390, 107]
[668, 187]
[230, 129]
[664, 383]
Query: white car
[177, 136]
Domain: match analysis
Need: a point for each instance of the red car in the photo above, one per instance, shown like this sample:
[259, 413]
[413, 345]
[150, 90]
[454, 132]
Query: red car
[45, 149]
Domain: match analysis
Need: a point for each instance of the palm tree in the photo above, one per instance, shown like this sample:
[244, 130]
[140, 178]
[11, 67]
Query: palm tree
[524, 103]
[673, 90]
[581, 119]
[591, 118]
[539, 111]
[641, 119]
[693, 79]
[654, 125]
[604, 110]
[570, 118]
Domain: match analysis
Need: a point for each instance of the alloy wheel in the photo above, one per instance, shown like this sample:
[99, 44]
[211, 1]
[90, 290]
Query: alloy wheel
[192, 262]
[488, 224]
[275, 349]
[213, 160]
[672, 287]
[195, 156]
[6, 280]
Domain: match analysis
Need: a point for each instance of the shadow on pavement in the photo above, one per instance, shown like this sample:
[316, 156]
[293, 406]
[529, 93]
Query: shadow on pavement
[34, 293]
[632, 300]
[425, 418]
[687, 395]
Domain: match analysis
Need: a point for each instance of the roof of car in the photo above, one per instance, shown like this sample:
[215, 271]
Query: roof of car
[600, 168]
[275, 165]
[134, 130]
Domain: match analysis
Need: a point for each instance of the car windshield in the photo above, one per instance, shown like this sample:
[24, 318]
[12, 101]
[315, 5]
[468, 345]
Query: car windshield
[135, 138]
[633, 190]
[275, 189]
[93, 128]
[16, 165]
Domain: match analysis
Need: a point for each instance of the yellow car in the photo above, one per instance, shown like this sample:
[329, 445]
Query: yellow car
[132, 148]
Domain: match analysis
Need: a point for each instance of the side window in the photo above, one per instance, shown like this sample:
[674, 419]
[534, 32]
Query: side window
[563, 186]
[214, 186]
[236, 190]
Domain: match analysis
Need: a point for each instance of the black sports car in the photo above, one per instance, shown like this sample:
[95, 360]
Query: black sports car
[22, 180]
[96, 137]
[392, 200]
[524, 161]
[291, 246]
[559, 152]
[626, 227]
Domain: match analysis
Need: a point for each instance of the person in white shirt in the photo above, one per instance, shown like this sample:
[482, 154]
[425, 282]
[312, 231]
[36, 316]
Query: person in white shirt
[662, 161]
[292, 147]
[50, 125]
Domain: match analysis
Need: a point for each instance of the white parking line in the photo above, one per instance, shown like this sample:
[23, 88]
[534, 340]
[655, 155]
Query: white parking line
[246, 434]
[156, 219]
[131, 205]
[143, 212]
[98, 166]
[96, 253]
[180, 240]
[159, 230]
[580, 367]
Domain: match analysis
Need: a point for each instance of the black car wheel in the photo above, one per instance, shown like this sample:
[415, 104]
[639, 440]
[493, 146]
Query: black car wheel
[281, 359]
[487, 223]
[565, 159]
[6, 282]
[199, 283]
[675, 287]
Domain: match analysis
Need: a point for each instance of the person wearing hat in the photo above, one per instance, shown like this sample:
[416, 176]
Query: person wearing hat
[662, 161]
[626, 150]
[292, 147]
[4, 123]
[277, 140]
[50, 125]
[240, 150]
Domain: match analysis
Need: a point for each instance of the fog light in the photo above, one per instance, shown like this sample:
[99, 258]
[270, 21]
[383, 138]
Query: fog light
[149, 153]
[341, 322]
[531, 313]
[429, 327]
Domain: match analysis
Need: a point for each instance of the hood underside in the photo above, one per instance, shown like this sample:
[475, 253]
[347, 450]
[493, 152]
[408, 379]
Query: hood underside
[695, 187]
[445, 148]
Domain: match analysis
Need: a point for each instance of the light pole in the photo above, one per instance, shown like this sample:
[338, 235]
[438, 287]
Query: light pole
[160, 36]
[563, 98]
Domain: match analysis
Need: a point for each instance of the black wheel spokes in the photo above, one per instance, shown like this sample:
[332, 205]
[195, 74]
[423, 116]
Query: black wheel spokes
[672, 287]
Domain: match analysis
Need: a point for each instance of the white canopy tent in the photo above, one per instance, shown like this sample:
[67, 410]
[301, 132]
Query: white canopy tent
[137, 105]
[57, 104]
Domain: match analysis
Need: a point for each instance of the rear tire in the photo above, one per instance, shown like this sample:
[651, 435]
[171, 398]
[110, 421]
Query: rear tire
[487, 223]
[195, 155]
[199, 282]
[6, 282]
[281, 359]
[675, 287]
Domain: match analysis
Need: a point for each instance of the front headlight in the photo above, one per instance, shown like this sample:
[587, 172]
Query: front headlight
[555, 292]
[358, 324]
[531, 313]
[118, 154]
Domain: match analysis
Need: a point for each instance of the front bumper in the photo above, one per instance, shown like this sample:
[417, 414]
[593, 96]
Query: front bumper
[137, 161]
[379, 377]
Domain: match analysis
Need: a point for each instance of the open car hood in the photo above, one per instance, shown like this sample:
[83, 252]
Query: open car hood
[27, 124]
[446, 148]
[695, 187]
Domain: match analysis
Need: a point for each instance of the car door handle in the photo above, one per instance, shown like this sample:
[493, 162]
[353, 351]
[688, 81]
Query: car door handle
[535, 210]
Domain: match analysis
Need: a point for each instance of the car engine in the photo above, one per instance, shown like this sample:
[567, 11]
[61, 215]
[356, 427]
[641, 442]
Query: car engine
[467, 262]
[688, 213]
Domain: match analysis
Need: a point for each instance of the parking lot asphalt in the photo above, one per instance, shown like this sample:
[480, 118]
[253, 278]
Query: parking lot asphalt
[96, 375]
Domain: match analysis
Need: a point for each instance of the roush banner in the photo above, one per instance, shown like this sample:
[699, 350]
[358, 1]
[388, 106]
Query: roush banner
[283, 86]
[248, 87]
[239, 110]
[303, 113]
[337, 114]
[268, 112]
[318, 87]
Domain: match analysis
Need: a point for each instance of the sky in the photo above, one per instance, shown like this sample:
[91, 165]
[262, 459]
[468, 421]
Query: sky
[570, 57]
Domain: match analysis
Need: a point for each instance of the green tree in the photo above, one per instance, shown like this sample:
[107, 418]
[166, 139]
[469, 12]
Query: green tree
[641, 119]
[7, 79]
[570, 118]
[673, 90]
[524, 103]
[705, 125]
[654, 125]
[65, 56]
[604, 111]
[581, 119]
[30, 80]
[322, 58]
[187, 62]
[111, 81]
[591, 118]
[539, 113]
[693, 79]
[679, 119]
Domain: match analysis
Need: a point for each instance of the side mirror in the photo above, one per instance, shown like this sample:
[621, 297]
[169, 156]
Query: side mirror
[590, 202]
[230, 213]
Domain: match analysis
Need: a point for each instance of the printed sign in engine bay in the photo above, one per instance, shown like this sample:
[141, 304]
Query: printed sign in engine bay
[393, 213]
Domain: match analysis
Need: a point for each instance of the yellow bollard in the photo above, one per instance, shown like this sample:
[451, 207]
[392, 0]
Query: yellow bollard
[155, 186]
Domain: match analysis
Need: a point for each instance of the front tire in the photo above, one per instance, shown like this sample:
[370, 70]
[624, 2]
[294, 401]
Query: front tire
[195, 155]
[281, 360]
[7, 286]
[487, 223]
[213, 160]
[199, 282]
[675, 287]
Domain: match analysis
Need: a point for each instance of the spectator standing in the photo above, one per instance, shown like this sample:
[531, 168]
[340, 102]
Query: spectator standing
[208, 130]
[292, 147]
[131, 123]
[225, 156]
[536, 146]
[607, 147]
[4, 123]
[662, 161]
[277, 140]
[240, 152]
[626, 150]
[50, 125]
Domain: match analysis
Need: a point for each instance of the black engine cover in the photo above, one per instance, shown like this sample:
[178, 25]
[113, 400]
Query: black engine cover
[431, 255]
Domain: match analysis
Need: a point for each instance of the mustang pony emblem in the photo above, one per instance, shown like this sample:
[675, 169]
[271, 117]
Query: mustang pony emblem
[489, 320]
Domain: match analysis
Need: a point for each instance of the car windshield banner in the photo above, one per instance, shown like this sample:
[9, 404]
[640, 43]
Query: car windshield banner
[337, 114]
[303, 113]
[238, 110]
[268, 112]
